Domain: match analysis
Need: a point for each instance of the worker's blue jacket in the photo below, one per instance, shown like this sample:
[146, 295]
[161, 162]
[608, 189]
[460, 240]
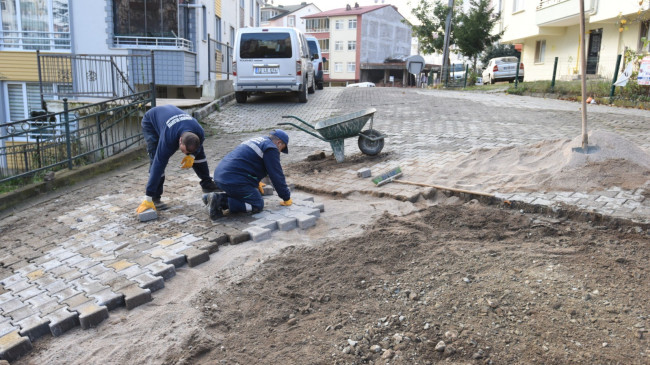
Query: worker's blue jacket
[169, 123]
[250, 162]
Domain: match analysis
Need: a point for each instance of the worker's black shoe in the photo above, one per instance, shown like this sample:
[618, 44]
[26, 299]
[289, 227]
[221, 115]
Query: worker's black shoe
[159, 204]
[209, 186]
[214, 203]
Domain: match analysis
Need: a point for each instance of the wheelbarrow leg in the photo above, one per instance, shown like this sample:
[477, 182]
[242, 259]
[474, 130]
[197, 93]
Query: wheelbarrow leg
[337, 147]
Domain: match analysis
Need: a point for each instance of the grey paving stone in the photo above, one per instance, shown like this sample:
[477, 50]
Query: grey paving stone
[29, 292]
[34, 327]
[48, 307]
[96, 270]
[258, 234]
[287, 223]
[209, 246]
[66, 293]
[40, 299]
[135, 296]
[108, 298]
[5, 297]
[266, 223]
[11, 305]
[20, 313]
[62, 320]
[149, 281]
[13, 346]
[19, 286]
[76, 300]
[305, 221]
[118, 283]
[194, 256]
[166, 271]
[132, 271]
[10, 280]
[167, 257]
[363, 173]
[237, 237]
[177, 247]
[6, 326]
[91, 314]
[148, 215]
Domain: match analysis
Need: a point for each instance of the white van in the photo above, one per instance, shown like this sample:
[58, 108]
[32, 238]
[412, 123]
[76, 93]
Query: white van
[272, 60]
[317, 60]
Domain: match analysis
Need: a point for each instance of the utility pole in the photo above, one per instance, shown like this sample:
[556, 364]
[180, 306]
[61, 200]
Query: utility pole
[583, 74]
[445, 51]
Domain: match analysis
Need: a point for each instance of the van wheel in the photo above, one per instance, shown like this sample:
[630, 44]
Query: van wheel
[302, 94]
[241, 97]
[319, 85]
[312, 88]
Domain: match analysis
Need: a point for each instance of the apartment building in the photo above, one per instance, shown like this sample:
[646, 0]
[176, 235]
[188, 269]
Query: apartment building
[287, 15]
[357, 40]
[178, 31]
[546, 29]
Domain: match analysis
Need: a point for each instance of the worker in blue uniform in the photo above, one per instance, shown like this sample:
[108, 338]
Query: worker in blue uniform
[167, 129]
[240, 175]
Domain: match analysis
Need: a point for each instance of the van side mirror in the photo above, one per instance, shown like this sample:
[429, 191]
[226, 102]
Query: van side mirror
[324, 59]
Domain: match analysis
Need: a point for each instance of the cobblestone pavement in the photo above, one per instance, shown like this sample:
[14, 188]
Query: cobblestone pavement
[68, 259]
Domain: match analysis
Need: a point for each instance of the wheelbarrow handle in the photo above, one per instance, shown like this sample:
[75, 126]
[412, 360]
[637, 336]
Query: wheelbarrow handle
[300, 120]
[303, 129]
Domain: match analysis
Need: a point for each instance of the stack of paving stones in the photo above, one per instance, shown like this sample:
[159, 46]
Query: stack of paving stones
[93, 272]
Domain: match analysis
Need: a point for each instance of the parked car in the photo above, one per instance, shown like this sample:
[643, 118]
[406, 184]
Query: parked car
[362, 84]
[457, 71]
[502, 69]
[274, 59]
[317, 59]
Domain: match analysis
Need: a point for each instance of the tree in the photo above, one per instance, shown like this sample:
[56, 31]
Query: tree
[431, 31]
[499, 50]
[473, 32]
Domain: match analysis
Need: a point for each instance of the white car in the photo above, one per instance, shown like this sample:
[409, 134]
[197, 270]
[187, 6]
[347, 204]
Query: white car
[362, 84]
[502, 69]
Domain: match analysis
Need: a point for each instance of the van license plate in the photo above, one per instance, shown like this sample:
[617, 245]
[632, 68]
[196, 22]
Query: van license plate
[266, 71]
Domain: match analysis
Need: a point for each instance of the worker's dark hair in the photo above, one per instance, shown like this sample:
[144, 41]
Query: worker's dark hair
[191, 141]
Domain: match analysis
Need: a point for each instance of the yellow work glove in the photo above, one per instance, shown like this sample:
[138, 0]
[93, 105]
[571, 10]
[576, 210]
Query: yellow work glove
[287, 203]
[187, 162]
[147, 203]
[261, 187]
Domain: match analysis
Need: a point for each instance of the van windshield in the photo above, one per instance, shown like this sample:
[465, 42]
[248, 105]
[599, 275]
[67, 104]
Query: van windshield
[265, 45]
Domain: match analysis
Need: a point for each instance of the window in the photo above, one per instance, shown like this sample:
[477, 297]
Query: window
[338, 66]
[517, 5]
[352, 45]
[338, 24]
[324, 45]
[151, 18]
[317, 25]
[217, 28]
[338, 46]
[540, 49]
[291, 21]
[35, 24]
[352, 24]
[266, 45]
[242, 4]
[351, 66]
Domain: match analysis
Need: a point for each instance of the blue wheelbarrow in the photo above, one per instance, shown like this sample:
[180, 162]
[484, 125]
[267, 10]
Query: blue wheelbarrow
[336, 129]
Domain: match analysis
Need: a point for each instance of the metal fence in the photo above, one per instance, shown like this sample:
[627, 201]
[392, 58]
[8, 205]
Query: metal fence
[99, 76]
[219, 59]
[76, 136]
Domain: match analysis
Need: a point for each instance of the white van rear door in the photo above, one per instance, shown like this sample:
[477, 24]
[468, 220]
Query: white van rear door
[266, 57]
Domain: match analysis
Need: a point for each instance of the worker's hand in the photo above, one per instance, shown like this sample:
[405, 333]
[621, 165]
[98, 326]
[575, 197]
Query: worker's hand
[187, 162]
[261, 187]
[147, 203]
[287, 203]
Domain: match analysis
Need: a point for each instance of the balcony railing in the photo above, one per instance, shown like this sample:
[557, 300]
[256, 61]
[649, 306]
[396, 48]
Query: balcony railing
[162, 42]
[546, 3]
[34, 40]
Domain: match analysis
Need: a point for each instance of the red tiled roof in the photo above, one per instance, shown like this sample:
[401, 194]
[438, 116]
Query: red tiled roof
[344, 12]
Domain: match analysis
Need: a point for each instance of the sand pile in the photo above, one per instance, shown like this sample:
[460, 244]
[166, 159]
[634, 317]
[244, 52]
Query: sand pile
[553, 166]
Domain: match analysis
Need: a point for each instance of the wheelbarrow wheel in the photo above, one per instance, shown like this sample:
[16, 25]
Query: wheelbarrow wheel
[368, 146]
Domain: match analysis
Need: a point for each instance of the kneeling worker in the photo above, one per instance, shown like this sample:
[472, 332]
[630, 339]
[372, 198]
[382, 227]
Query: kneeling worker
[239, 175]
[167, 129]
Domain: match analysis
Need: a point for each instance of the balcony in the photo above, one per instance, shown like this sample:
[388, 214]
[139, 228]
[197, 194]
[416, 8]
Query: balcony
[561, 13]
[34, 40]
[157, 42]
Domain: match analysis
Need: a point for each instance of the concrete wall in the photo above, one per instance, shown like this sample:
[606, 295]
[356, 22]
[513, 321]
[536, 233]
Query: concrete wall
[214, 89]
